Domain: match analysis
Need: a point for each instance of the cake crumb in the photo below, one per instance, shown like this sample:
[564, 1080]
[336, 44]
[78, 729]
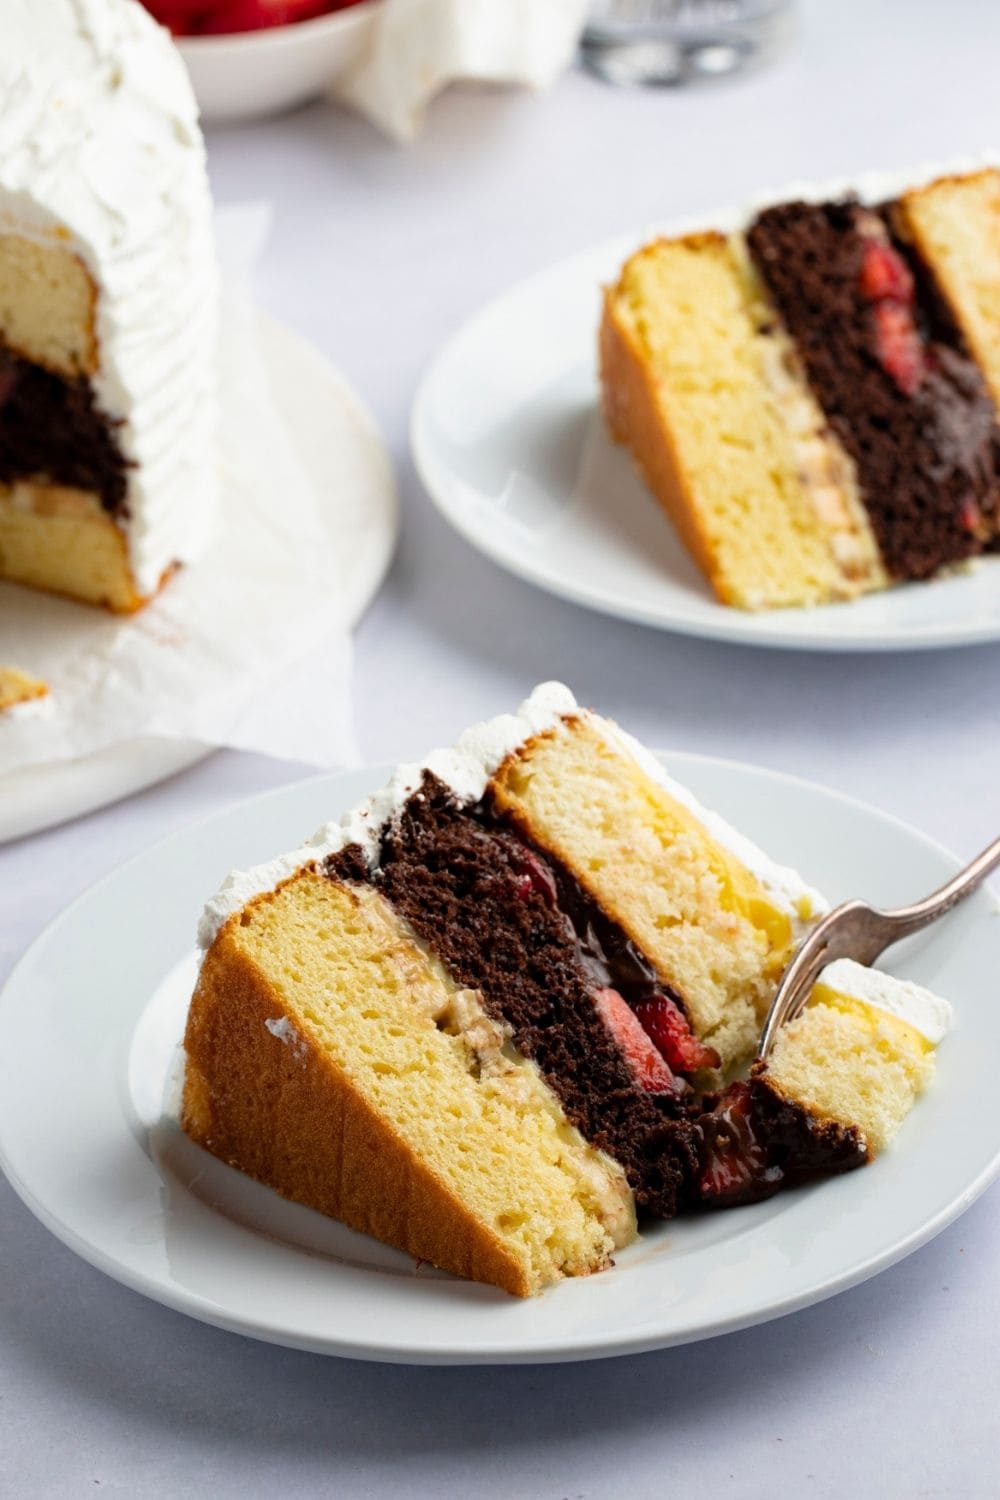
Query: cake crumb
[18, 687]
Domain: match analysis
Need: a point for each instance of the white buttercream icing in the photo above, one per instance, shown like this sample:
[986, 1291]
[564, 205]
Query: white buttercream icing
[869, 187]
[466, 769]
[919, 1008]
[875, 186]
[42, 707]
[99, 140]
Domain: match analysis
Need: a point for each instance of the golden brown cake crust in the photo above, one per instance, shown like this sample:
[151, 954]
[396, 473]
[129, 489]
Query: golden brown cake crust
[634, 418]
[286, 1115]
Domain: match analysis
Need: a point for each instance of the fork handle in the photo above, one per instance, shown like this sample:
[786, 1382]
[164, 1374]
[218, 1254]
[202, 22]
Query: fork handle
[864, 939]
[909, 919]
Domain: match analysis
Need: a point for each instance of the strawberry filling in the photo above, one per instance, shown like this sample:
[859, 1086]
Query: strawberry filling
[884, 273]
[652, 1030]
[735, 1167]
[887, 284]
[667, 1026]
[535, 875]
[648, 1067]
[217, 17]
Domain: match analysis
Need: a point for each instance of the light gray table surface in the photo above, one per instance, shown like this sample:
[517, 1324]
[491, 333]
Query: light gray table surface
[377, 254]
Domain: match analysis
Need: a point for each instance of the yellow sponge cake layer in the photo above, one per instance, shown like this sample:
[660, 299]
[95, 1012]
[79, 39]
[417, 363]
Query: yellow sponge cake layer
[715, 933]
[954, 224]
[861, 1053]
[47, 302]
[330, 1056]
[695, 384]
[62, 539]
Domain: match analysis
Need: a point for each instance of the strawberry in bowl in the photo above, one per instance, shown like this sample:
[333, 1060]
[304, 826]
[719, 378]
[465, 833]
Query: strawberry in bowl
[226, 17]
[249, 58]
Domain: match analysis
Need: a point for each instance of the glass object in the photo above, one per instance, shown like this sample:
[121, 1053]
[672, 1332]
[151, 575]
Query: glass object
[681, 41]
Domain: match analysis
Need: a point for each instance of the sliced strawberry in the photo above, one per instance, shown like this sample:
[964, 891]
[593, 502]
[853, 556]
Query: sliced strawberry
[645, 1063]
[884, 273]
[969, 517]
[666, 1024]
[899, 346]
[226, 16]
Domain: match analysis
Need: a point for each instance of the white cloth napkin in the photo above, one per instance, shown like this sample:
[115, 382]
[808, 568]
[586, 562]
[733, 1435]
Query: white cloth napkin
[418, 47]
[250, 646]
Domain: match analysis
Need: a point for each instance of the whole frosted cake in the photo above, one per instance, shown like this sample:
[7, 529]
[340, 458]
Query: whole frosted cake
[486, 1016]
[107, 304]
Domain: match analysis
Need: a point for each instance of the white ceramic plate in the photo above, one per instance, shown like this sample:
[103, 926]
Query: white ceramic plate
[92, 1015]
[260, 72]
[509, 442]
[305, 388]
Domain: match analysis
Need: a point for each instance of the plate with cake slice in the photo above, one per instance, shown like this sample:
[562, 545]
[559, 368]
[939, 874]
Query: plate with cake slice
[778, 428]
[468, 1076]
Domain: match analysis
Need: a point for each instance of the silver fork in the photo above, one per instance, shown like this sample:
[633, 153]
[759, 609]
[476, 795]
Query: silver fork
[859, 931]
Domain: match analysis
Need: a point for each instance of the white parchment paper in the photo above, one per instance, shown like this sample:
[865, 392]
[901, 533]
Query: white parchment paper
[250, 647]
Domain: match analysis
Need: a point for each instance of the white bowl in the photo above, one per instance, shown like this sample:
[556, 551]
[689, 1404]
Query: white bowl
[261, 72]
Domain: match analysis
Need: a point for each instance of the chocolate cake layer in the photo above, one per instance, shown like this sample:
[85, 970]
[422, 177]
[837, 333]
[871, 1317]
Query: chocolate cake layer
[802, 1144]
[50, 428]
[489, 907]
[906, 402]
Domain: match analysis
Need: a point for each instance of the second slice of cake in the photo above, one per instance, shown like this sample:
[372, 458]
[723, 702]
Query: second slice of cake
[812, 397]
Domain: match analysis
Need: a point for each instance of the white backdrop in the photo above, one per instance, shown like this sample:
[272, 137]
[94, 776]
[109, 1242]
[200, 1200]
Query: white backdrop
[377, 254]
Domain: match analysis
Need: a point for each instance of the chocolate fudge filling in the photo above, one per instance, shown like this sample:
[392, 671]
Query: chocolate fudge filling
[50, 429]
[905, 400]
[754, 1141]
[488, 906]
[803, 1144]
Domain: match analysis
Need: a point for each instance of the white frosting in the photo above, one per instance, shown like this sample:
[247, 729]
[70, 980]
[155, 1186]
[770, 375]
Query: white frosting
[870, 187]
[41, 707]
[875, 186]
[99, 138]
[466, 769]
[919, 1008]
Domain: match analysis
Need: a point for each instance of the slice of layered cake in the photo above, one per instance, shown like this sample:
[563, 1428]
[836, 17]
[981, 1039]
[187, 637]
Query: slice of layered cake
[476, 1017]
[107, 304]
[812, 397]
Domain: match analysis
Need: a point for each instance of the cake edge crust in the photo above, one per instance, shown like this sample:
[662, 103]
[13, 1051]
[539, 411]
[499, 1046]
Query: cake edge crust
[231, 1003]
[634, 419]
